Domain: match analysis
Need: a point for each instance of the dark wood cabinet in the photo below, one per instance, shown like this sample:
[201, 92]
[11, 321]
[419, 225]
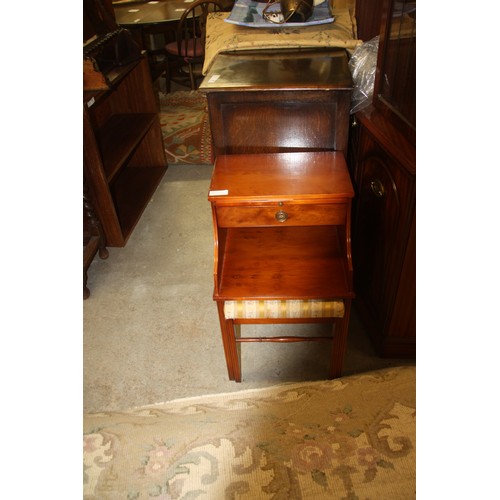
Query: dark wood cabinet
[279, 101]
[382, 158]
[123, 151]
[384, 234]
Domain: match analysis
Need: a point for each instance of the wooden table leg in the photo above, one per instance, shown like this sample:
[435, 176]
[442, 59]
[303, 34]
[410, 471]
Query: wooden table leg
[229, 343]
[340, 341]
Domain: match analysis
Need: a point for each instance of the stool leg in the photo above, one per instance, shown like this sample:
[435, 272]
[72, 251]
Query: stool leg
[229, 344]
[340, 341]
[236, 333]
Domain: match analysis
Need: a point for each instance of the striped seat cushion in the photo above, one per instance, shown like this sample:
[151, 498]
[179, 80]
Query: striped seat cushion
[262, 309]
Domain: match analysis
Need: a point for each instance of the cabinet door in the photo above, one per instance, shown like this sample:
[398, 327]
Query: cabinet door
[381, 227]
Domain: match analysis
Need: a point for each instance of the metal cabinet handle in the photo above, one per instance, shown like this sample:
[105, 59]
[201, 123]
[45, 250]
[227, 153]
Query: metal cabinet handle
[281, 216]
[377, 188]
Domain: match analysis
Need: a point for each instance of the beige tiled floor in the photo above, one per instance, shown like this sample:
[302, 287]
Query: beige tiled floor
[151, 331]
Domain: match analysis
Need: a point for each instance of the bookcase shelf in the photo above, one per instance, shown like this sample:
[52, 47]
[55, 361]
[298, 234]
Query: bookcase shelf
[120, 136]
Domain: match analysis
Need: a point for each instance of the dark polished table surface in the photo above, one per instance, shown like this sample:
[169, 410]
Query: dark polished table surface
[140, 13]
[279, 69]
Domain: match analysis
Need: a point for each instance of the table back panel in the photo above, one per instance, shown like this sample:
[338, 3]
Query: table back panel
[274, 122]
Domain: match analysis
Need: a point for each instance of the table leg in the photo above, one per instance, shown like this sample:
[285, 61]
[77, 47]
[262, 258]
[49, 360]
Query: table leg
[229, 343]
[340, 341]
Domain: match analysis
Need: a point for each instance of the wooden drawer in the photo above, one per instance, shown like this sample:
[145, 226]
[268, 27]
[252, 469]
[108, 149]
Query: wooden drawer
[276, 215]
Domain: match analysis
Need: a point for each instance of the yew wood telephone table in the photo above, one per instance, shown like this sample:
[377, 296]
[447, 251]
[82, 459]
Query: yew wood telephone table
[282, 246]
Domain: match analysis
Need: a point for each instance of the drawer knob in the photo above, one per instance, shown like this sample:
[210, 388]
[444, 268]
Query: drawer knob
[377, 188]
[281, 216]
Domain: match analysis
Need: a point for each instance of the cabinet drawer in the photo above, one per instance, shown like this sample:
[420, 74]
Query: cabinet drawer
[275, 215]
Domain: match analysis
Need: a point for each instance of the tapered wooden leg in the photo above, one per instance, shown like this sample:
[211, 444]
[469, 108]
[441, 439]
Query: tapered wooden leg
[229, 343]
[340, 341]
[234, 349]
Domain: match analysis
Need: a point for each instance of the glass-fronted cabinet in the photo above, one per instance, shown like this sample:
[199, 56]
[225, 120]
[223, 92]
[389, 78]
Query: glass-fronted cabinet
[383, 163]
[395, 89]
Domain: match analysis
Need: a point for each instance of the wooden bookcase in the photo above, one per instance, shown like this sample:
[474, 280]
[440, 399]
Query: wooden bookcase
[123, 150]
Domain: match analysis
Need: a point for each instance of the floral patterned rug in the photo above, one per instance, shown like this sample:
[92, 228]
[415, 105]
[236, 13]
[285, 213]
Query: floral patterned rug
[185, 127]
[350, 438]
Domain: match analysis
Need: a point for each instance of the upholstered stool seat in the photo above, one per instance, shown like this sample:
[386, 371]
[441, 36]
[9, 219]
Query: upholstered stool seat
[234, 313]
[266, 309]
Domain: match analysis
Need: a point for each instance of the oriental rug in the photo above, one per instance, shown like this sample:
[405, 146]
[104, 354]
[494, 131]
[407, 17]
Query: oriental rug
[185, 127]
[349, 438]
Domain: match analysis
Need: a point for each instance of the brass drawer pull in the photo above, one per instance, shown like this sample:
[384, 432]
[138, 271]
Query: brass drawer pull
[281, 216]
[377, 188]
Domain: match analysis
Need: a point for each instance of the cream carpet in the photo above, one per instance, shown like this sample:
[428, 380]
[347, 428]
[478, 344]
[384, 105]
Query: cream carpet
[350, 438]
[150, 327]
